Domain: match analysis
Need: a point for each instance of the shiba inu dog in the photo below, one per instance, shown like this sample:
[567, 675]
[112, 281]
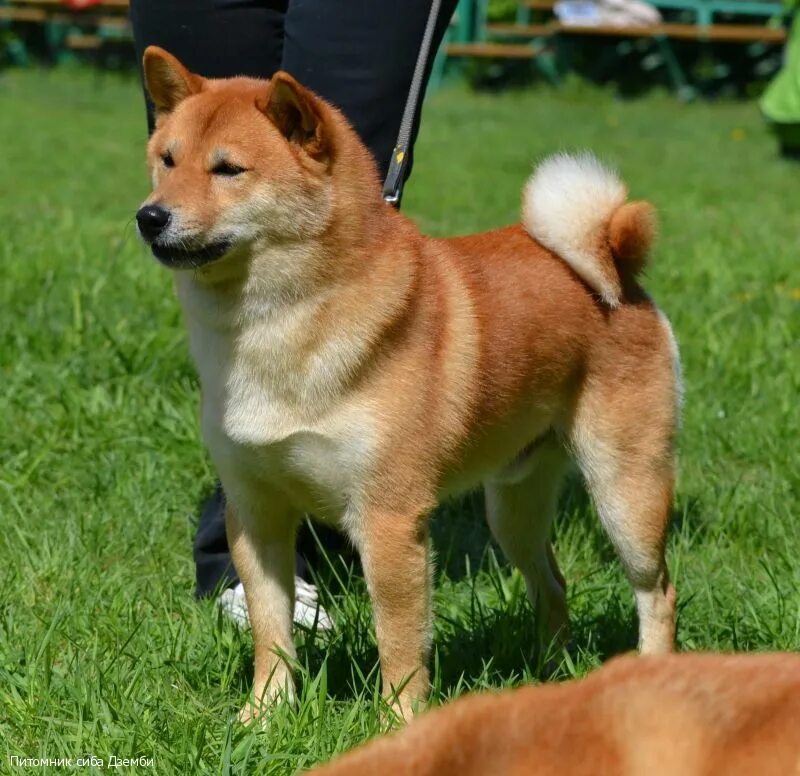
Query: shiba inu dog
[681, 715]
[357, 370]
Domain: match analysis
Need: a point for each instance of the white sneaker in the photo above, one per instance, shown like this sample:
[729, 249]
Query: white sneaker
[307, 609]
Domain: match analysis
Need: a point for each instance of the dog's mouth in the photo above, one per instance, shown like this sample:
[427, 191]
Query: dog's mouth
[183, 257]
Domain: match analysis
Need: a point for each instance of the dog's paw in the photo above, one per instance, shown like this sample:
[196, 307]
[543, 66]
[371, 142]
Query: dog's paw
[257, 711]
[251, 714]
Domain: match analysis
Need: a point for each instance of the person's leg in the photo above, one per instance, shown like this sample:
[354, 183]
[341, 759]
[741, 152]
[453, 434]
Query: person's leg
[215, 38]
[212, 558]
[360, 56]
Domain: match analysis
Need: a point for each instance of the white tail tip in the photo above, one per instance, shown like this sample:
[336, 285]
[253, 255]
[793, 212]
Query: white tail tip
[567, 205]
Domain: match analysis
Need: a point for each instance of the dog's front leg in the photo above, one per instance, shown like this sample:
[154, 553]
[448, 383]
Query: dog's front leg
[262, 547]
[395, 554]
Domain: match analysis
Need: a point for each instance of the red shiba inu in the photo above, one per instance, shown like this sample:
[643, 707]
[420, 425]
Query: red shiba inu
[682, 715]
[360, 371]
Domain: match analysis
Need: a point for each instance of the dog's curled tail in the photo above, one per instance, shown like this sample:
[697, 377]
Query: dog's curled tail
[577, 208]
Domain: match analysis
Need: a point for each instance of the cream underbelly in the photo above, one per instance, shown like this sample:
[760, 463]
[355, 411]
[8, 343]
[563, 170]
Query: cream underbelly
[500, 452]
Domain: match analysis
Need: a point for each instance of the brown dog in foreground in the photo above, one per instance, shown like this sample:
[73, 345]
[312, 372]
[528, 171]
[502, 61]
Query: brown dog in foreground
[680, 715]
[357, 370]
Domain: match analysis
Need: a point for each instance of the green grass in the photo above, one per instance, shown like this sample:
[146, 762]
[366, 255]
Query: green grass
[103, 649]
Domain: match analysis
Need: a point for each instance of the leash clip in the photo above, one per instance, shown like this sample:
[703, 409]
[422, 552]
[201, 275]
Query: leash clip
[393, 185]
[395, 178]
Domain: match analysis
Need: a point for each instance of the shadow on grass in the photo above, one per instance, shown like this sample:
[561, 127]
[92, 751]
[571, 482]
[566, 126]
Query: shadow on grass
[493, 646]
[484, 643]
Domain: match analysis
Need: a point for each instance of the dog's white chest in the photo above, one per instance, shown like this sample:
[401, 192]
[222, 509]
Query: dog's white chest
[274, 418]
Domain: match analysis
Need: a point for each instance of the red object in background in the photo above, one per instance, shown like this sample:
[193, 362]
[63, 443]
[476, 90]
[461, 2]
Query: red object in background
[79, 5]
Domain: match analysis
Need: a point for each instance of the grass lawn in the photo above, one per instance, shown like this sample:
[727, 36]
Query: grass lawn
[104, 651]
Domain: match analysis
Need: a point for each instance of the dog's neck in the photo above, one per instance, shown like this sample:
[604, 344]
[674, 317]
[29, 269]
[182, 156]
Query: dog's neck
[309, 332]
[271, 277]
[293, 355]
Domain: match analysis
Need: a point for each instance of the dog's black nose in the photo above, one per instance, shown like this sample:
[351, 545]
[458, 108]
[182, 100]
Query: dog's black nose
[152, 220]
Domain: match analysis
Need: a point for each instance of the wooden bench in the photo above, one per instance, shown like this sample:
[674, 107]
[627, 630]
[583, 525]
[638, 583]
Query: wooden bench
[535, 34]
[520, 30]
[80, 42]
[84, 29]
[539, 5]
[717, 33]
[12, 14]
[491, 50]
[704, 11]
[117, 5]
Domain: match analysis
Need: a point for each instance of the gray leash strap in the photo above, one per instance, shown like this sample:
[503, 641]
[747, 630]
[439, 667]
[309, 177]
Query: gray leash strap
[393, 185]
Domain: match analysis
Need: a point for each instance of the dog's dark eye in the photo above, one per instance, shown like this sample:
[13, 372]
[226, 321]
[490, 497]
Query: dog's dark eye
[167, 159]
[227, 169]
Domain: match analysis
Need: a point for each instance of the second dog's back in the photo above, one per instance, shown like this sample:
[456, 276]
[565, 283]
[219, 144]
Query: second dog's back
[678, 715]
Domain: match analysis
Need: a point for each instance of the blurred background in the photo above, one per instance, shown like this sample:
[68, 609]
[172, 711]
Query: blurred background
[692, 47]
[103, 648]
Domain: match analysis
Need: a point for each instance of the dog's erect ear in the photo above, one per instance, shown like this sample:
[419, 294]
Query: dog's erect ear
[296, 113]
[168, 82]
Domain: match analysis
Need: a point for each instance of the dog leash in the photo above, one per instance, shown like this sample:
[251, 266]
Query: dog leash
[395, 178]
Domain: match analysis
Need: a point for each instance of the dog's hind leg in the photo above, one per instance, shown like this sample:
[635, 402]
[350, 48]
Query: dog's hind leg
[623, 442]
[520, 511]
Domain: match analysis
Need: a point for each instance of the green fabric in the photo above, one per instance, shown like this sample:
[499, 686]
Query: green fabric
[781, 100]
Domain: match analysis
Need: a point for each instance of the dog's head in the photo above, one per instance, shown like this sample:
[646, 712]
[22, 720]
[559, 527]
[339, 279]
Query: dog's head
[235, 164]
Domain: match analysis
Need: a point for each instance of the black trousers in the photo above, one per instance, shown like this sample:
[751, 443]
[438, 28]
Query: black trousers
[357, 54]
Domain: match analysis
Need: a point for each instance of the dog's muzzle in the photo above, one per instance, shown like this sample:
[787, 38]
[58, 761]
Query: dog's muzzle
[153, 222]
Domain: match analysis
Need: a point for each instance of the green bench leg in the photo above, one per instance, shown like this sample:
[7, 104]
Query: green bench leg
[437, 71]
[17, 52]
[677, 76]
[481, 19]
[547, 65]
[462, 30]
